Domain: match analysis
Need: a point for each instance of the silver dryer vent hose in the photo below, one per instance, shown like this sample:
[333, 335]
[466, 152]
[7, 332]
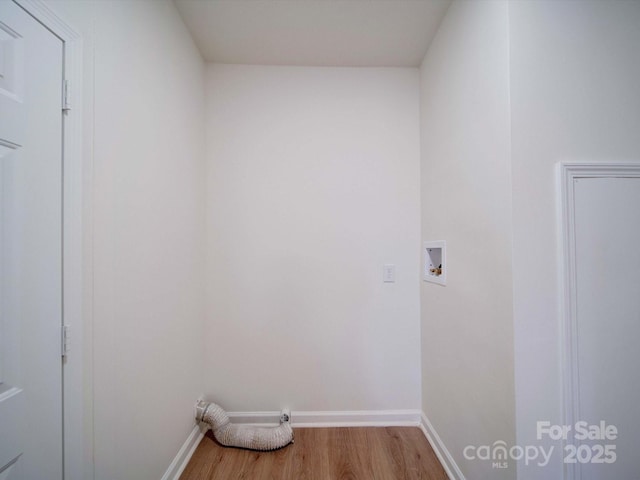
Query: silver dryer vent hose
[243, 436]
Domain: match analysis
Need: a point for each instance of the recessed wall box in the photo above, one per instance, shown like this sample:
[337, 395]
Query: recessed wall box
[435, 262]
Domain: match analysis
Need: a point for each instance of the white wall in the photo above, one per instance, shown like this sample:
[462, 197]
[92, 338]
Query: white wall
[148, 237]
[313, 185]
[467, 333]
[144, 142]
[575, 71]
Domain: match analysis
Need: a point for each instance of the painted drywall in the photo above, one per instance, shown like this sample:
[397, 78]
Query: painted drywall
[575, 72]
[148, 236]
[467, 333]
[144, 195]
[313, 185]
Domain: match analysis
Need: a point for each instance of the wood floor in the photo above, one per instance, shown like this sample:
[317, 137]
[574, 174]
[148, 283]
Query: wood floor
[384, 453]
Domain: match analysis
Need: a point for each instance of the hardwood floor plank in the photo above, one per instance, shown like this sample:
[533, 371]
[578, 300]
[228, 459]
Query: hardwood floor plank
[381, 453]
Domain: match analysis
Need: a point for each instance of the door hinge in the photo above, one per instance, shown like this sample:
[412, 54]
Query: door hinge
[66, 96]
[65, 340]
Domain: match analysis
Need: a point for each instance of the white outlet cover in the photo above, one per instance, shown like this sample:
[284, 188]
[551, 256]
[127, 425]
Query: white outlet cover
[389, 273]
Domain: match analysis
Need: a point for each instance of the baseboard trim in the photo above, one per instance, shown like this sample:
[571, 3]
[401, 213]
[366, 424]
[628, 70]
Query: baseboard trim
[448, 463]
[185, 453]
[310, 419]
[307, 419]
[362, 418]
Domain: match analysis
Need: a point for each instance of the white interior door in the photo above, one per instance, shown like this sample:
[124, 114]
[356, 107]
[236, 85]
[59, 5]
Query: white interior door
[607, 239]
[30, 248]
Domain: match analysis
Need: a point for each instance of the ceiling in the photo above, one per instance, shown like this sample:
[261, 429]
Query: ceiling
[362, 33]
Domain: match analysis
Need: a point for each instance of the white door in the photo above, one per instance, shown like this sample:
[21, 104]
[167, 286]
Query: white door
[607, 239]
[30, 248]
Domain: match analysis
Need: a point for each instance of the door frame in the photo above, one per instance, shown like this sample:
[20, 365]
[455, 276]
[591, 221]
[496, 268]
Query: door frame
[567, 173]
[76, 385]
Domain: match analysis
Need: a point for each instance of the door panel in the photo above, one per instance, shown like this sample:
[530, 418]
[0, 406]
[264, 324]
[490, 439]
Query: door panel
[607, 226]
[30, 248]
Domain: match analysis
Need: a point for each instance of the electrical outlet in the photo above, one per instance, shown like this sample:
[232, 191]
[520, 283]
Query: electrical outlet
[389, 273]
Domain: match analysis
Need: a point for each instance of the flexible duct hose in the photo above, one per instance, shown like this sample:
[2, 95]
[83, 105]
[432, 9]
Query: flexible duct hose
[243, 436]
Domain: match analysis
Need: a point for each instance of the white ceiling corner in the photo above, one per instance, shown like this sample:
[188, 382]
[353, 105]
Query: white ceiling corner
[362, 33]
